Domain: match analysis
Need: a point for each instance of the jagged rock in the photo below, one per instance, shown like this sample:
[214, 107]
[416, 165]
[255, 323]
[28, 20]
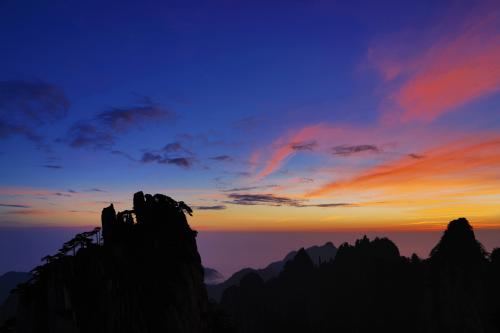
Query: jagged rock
[146, 278]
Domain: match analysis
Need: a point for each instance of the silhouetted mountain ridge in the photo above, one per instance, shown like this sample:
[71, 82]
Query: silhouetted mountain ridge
[318, 254]
[212, 276]
[370, 287]
[146, 277]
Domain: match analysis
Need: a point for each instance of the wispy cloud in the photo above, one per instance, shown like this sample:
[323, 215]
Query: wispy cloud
[175, 147]
[261, 199]
[248, 123]
[215, 207]
[345, 150]
[420, 85]
[29, 191]
[87, 135]
[468, 161]
[222, 158]
[184, 162]
[304, 146]
[34, 212]
[81, 211]
[61, 194]
[123, 154]
[52, 166]
[122, 119]
[27, 105]
[287, 143]
[329, 205]
[95, 189]
[249, 188]
[14, 206]
[173, 153]
[151, 157]
[268, 199]
[101, 132]
[456, 67]
[318, 138]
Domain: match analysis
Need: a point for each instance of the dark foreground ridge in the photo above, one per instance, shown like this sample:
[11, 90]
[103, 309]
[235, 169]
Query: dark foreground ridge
[145, 277]
[370, 287]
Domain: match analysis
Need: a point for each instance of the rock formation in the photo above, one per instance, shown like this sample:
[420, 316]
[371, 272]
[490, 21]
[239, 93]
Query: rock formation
[146, 277]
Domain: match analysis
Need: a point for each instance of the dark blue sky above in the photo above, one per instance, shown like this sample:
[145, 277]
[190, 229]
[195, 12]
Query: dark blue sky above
[100, 99]
[262, 115]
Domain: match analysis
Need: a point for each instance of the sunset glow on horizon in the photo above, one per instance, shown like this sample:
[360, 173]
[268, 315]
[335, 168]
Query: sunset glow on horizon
[260, 116]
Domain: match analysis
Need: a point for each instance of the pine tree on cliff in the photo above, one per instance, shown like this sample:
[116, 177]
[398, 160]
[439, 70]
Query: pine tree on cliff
[147, 277]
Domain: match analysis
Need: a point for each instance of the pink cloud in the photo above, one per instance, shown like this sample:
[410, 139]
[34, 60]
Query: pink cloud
[24, 191]
[453, 70]
[423, 80]
[254, 160]
[463, 161]
[286, 143]
[34, 212]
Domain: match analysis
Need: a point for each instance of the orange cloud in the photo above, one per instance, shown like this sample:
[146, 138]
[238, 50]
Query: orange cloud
[455, 70]
[461, 163]
[24, 191]
[286, 145]
[34, 212]
[328, 137]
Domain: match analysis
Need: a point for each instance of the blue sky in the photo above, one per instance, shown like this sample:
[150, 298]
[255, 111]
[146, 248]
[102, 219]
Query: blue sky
[297, 106]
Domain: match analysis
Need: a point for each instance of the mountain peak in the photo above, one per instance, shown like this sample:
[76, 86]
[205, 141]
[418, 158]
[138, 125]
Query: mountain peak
[301, 263]
[458, 245]
[148, 261]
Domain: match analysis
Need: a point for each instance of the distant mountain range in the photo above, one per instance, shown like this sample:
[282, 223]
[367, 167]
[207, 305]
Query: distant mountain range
[370, 287]
[212, 276]
[148, 277]
[317, 254]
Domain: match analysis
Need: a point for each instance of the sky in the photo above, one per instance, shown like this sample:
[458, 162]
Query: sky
[267, 117]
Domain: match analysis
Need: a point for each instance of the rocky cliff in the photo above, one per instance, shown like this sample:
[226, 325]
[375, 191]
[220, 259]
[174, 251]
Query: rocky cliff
[145, 276]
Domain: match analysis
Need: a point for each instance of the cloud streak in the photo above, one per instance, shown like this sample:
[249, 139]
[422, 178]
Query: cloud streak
[288, 145]
[249, 188]
[87, 135]
[102, 131]
[183, 162]
[215, 207]
[14, 206]
[175, 147]
[304, 146]
[345, 150]
[454, 70]
[121, 119]
[268, 199]
[30, 212]
[468, 161]
[27, 105]
[222, 158]
[52, 166]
